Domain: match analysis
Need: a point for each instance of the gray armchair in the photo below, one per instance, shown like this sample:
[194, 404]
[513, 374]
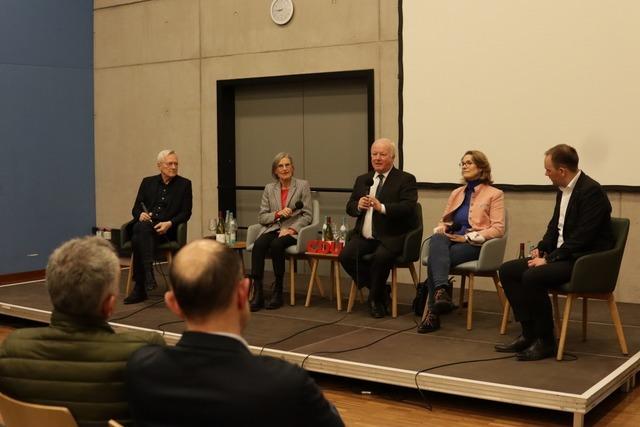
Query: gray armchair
[487, 264]
[594, 276]
[294, 252]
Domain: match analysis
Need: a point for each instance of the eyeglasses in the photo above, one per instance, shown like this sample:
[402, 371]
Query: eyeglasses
[287, 165]
[467, 163]
[170, 163]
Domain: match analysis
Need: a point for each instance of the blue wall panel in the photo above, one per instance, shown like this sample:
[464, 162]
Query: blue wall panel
[47, 189]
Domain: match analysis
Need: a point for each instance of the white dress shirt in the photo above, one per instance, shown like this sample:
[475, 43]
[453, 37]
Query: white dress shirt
[564, 202]
[367, 226]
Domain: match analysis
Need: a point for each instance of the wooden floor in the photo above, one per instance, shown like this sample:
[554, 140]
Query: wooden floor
[365, 404]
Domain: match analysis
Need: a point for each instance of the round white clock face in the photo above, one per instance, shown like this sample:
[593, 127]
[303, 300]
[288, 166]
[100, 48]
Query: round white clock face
[281, 11]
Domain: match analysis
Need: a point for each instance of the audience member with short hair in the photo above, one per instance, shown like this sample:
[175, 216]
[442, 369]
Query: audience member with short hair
[210, 377]
[78, 361]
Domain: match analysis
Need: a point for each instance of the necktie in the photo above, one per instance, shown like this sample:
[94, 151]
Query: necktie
[379, 189]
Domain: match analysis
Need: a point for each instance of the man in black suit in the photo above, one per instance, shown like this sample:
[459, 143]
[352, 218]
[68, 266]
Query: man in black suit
[163, 202]
[210, 377]
[384, 201]
[581, 223]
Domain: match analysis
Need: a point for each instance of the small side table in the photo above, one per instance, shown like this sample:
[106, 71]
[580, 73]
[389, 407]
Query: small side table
[314, 259]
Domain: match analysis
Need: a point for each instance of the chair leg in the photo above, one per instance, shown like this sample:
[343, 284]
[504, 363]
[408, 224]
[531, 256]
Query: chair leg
[470, 303]
[615, 316]
[314, 272]
[292, 281]
[462, 285]
[336, 278]
[394, 292]
[352, 296]
[499, 290]
[414, 275]
[556, 312]
[425, 310]
[505, 317]
[565, 323]
[129, 276]
[585, 316]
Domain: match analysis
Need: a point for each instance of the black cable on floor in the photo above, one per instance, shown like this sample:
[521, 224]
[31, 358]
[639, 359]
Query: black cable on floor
[355, 348]
[302, 331]
[138, 310]
[415, 378]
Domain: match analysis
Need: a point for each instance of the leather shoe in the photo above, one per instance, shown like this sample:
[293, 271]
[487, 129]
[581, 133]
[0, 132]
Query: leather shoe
[515, 346]
[135, 297]
[540, 349]
[430, 323]
[376, 309]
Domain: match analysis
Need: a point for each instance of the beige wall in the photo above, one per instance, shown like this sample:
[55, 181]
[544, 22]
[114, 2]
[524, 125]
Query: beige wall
[156, 66]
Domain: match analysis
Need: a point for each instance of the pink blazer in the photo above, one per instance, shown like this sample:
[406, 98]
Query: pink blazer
[486, 211]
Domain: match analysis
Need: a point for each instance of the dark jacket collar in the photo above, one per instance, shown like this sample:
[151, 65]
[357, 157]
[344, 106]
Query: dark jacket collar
[203, 340]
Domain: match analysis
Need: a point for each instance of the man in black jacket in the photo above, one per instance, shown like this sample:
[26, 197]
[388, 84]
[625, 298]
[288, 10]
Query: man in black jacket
[163, 202]
[581, 223]
[210, 377]
[384, 201]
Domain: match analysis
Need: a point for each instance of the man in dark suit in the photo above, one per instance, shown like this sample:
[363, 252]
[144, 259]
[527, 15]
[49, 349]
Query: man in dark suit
[581, 223]
[384, 201]
[210, 377]
[163, 202]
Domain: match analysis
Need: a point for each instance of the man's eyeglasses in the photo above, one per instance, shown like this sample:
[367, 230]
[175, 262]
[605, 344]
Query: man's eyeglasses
[170, 163]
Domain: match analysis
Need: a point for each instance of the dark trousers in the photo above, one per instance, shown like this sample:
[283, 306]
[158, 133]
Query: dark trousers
[144, 241]
[528, 292]
[372, 273]
[276, 246]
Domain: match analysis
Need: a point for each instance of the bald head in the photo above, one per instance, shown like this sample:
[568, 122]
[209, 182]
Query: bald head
[204, 276]
[383, 153]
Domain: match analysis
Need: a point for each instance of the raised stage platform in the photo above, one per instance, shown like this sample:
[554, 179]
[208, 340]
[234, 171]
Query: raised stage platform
[390, 351]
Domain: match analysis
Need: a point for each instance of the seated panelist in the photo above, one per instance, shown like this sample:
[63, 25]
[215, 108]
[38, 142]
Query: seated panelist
[163, 202]
[285, 208]
[473, 215]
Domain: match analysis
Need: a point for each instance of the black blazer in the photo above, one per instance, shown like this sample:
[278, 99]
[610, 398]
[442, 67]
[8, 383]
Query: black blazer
[399, 196]
[587, 223]
[209, 379]
[179, 205]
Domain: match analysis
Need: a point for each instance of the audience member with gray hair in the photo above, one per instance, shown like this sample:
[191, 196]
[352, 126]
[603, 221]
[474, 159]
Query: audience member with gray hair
[78, 361]
[163, 202]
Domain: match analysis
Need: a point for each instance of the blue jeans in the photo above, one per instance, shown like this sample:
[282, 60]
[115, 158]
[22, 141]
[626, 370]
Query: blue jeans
[443, 253]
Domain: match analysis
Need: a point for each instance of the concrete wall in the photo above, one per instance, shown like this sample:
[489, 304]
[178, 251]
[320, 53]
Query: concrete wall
[156, 66]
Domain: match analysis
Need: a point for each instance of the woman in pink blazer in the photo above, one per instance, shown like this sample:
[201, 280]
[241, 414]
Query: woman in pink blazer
[473, 215]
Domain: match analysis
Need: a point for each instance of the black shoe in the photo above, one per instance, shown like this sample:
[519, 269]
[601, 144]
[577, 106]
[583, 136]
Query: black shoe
[376, 309]
[540, 349]
[514, 346]
[442, 303]
[135, 297]
[257, 303]
[151, 284]
[276, 298]
[430, 323]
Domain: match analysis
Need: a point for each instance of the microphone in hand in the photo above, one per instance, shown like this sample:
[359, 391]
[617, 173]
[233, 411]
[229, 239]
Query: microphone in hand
[299, 205]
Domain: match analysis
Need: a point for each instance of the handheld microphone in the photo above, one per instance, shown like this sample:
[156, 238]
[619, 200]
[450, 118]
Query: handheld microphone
[144, 208]
[369, 183]
[299, 205]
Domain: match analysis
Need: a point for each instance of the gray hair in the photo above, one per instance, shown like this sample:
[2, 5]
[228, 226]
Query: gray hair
[390, 144]
[163, 155]
[276, 160]
[80, 275]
